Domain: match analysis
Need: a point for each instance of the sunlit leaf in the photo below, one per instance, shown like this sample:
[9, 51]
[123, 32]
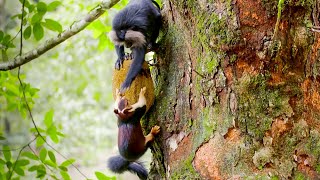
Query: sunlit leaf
[52, 156]
[19, 171]
[43, 154]
[42, 7]
[65, 175]
[68, 162]
[22, 162]
[27, 32]
[6, 153]
[48, 118]
[38, 31]
[97, 28]
[29, 155]
[41, 173]
[6, 39]
[54, 137]
[33, 168]
[2, 162]
[40, 141]
[53, 5]
[34, 130]
[101, 176]
[1, 35]
[63, 168]
[52, 25]
[36, 18]
[103, 42]
[50, 163]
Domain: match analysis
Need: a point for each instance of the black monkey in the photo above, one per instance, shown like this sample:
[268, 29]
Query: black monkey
[137, 27]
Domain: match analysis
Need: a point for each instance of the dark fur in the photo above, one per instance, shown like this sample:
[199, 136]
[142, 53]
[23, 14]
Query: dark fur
[118, 164]
[131, 141]
[140, 16]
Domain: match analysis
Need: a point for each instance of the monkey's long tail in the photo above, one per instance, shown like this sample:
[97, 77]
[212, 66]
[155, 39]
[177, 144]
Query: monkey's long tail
[118, 164]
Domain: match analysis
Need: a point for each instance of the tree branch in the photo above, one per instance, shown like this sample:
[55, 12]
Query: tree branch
[49, 44]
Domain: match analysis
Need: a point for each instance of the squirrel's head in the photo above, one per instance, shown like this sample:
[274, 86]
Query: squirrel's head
[122, 111]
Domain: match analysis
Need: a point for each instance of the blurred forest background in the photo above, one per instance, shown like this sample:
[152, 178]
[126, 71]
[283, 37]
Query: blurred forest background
[68, 89]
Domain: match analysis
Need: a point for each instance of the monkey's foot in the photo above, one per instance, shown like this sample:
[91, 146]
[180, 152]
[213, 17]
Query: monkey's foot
[128, 56]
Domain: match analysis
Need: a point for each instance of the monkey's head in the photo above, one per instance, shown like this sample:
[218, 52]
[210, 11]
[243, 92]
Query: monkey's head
[127, 37]
[122, 110]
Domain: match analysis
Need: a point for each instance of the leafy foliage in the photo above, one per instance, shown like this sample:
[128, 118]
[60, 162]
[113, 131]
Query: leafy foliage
[36, 158]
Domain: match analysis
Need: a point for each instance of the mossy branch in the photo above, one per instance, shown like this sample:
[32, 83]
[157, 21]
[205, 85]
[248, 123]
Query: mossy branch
[75, 28]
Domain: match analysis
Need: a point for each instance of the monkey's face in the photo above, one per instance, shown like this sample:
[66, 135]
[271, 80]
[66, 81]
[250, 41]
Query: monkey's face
[129, 38]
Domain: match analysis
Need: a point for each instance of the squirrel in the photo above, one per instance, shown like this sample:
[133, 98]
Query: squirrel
[132, 144]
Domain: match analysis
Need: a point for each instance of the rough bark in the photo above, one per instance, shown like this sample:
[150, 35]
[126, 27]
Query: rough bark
[233, 99]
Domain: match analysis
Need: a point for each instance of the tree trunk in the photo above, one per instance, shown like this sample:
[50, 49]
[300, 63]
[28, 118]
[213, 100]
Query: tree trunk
[237, 95]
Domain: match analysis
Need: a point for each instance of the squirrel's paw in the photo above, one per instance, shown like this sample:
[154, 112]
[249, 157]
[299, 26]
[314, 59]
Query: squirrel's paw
[143, 91]
[155, 130]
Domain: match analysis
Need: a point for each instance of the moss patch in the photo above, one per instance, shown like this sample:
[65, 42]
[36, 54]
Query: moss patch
[259, 105]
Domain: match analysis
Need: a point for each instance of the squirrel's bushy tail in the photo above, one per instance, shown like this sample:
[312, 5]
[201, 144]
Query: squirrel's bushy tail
[118, 164]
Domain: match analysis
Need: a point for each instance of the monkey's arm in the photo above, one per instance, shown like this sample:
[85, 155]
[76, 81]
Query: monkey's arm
[136, 66]
[121, 54]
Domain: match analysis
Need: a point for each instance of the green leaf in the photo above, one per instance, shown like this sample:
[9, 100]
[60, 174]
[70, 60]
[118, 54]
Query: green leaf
[97, 28]
[52, 25]
[103, 42]
[19, 171]
[42, 7]
[6, 153]
[43, 154]
[63, 168]
[29, 155]
[40, 141]
[9, 164]
[1, 35]
[2, 138]
[54, 137]
[6, 39]
[41, 173]
[38, 31]
[36, 18]
[33, 168]
[52, 156]
[48, 118]
[65, 175]
[53, 5]
[101, 176]
[22, 162]
[68, 162]
[50, 163]
[27, 32]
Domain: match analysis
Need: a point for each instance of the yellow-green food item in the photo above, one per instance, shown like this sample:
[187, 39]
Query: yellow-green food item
[142, 80]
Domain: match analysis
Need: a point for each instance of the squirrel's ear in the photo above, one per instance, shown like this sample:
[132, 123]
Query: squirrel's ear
[116, 111]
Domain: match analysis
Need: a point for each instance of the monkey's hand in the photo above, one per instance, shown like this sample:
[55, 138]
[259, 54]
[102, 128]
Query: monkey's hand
[119, 63]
